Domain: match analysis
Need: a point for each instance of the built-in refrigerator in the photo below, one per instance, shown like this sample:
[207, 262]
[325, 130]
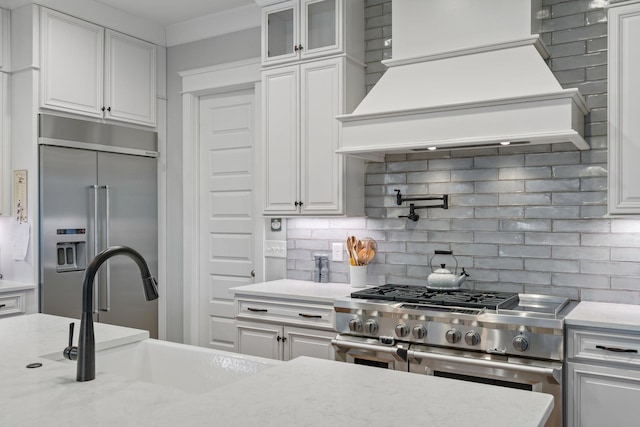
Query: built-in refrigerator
[98, 188]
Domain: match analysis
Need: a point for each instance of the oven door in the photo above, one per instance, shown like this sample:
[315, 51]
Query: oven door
[370, 352]
[523, 374]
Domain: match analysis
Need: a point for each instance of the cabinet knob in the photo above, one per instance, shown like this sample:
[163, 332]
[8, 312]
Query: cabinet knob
[103, 108]
[108, 108]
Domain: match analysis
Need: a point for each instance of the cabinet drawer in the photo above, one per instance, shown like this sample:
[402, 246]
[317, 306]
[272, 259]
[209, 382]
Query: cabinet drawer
[317, 316]
[604, 346]
[12, 303]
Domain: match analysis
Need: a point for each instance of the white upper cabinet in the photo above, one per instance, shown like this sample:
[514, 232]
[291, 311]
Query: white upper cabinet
[303, 29]
[303, 173]
[95, 72]
[624, 108]
[130, 79]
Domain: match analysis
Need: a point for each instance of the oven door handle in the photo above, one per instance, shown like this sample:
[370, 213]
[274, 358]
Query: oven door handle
[393, 350]
[538, 370]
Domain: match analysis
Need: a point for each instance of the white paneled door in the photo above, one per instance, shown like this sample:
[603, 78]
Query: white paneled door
[227, 220]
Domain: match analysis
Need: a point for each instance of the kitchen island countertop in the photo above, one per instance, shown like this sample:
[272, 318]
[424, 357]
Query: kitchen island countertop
[302, 392]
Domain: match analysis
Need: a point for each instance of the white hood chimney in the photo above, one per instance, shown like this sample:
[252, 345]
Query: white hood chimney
[464, 74]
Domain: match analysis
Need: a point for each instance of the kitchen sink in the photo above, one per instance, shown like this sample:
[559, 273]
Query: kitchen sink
[184, 367]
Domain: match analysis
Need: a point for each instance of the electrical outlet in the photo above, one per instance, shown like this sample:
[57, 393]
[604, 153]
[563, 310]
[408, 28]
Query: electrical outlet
[337, 252]
[275, 248]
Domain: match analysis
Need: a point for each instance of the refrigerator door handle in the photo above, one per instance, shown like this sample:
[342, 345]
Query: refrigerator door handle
[96, 246]
[107, 210]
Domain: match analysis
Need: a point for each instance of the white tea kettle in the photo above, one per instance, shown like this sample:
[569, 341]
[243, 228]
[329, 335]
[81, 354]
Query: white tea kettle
[443, 279]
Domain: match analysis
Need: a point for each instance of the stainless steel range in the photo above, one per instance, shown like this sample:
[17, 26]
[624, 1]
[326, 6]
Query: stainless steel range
[508, 339]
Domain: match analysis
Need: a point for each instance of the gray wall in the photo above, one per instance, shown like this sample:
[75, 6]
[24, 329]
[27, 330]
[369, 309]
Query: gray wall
[228, 48]
[525, 220]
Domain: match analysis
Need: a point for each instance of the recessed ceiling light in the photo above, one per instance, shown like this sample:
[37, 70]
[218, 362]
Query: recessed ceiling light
[505, 143]
[431, 148]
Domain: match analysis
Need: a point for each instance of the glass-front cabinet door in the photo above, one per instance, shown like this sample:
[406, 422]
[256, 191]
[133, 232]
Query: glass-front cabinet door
[280, 32]
[300, 29]
[319, 27]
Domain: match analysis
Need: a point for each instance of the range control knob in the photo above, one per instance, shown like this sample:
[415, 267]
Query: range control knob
[419, 332]
[355, 325]
[452, 336]
[371, 326]
[520, 343]
[402, 330]
[472, 338]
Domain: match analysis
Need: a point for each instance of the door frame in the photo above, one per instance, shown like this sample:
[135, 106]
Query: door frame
[196, 83]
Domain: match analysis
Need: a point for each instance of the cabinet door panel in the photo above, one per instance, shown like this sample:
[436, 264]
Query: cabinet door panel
[259, 339]
[72, 64]
[130, 90]
[308, 342]
[624, 109]
[320, 31]
[280, 130]
[321, 100]
[602, 396]
[280, 30]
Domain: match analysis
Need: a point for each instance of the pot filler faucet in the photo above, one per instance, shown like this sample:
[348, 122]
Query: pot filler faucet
[85, 352]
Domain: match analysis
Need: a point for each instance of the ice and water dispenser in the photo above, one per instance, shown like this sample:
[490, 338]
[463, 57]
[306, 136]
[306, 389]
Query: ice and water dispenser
[71, 249]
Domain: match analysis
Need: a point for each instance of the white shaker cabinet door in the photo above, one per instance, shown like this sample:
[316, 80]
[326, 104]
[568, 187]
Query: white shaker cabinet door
[130, 79]
[321, 173]
[601, 396]
[624, 109]
[259, 339]
[280, 129]
[71, 64]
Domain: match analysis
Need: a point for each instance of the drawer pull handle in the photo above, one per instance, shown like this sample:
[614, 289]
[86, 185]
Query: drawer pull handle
[617, 349]
[3, 305]
[310, 316]
[257, 310]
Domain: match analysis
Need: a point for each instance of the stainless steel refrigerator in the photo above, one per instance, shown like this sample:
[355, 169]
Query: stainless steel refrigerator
[98, 188]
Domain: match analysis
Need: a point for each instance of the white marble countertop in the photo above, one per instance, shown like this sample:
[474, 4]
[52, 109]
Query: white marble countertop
[625, 317]
[9, 286]
[297, 289]
[303, 392]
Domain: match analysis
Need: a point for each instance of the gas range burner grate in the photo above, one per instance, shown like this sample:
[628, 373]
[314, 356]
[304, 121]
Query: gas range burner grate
[422, 295]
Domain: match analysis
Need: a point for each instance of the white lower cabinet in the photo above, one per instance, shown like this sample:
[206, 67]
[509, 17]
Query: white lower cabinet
[283, 342]
[602, 378]
[602, 396]
[284, 329]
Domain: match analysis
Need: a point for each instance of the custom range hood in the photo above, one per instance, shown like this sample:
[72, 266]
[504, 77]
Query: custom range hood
[464, 74]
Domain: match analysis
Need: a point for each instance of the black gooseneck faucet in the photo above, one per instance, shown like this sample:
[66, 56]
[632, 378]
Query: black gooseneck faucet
[86, 350]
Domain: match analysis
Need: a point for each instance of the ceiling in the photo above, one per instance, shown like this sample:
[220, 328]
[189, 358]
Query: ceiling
[169, 12]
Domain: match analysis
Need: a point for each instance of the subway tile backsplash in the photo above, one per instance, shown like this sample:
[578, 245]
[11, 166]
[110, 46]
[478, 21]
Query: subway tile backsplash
[522, 219]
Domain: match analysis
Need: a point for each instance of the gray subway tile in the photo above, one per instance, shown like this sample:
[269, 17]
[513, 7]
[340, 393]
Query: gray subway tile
[539, 172]
[560, 239]
[543, 185]
[582, 225]
[474, 200]
[552, 265]
[625, 254]
[499, 186]
[552, 212]
[475, 249]
[579, 61]
[474, 175]
[450, 164]
[500, 263]
[582, 33]
[612, 240]
[593, 281]
[475, 224]
[579, 171]
[580, 198]
[500, 212]
[563, 23]
[581, 253]
[593, 184]
[502, 161]
[525, 277]
[614, 296]
[613, 268]
[503, 237]
[561, 291]
[525, 251]
[428, 176]
[524, 199]
[549, 159]
[568, 49]
[625, 225]
[625, 283]
[526, 225]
